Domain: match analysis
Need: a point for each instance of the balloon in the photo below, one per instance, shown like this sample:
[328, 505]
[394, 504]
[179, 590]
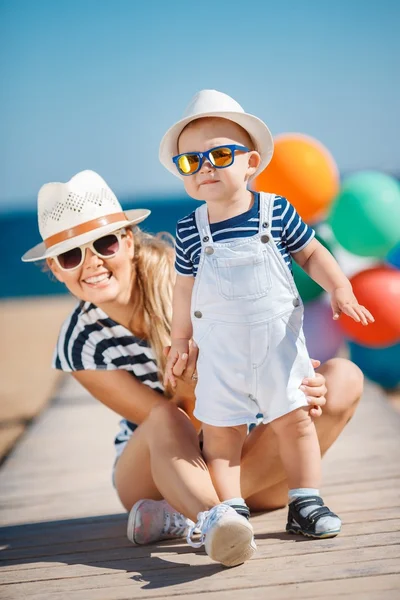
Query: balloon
[308, 288]
[378, 289]
[304, 172]
[393, 258]
[323, 335]
[365, 216]
[381, 365]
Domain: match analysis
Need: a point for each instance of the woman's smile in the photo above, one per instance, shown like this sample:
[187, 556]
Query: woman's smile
[100, 280]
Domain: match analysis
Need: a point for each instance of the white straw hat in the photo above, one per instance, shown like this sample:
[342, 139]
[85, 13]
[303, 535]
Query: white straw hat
[77, 212]
[210, 103]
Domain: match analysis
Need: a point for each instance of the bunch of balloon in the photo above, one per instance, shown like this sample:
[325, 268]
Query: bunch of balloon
[365, 220]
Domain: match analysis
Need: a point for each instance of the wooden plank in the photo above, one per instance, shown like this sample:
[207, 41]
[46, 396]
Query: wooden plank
[9, 434]
[52, 478]
[181, 581]
[268, 547]
[356, 535]
[361, 588]
[113, 526]
[339, 560]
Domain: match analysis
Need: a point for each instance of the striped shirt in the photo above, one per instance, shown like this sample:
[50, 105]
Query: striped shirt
[90, 340]
[290, 233]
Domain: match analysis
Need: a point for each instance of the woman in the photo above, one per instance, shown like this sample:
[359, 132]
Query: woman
[113, 345]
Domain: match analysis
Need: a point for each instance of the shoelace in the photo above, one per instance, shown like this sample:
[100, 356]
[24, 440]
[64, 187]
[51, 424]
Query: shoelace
[175, 523]
[205, 521]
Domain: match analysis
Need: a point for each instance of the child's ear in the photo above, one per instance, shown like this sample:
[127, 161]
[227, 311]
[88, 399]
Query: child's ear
[52, 265]
[254, 162]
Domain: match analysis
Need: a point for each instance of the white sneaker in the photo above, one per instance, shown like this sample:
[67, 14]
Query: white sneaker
[155, 520]
[226, 535]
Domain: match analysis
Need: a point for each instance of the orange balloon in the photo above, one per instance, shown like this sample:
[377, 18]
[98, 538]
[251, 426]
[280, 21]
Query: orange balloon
[303, 171]
[377, 289]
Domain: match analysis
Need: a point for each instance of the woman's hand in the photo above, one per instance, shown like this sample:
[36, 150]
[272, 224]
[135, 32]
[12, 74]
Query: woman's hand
[185, 366]
[177, 351]
[315, 390]
[185, 372]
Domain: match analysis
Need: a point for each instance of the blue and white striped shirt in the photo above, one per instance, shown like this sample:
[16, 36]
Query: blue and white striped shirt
[290, 233]
[90, 340]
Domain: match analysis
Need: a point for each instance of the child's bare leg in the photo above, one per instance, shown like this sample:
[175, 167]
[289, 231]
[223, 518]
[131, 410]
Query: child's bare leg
[222, 451]
[264, 482]
[299, 448]
[301, 457]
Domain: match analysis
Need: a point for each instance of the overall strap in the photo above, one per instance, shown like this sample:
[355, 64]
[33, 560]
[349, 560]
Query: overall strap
[201, 215]
[266, 210]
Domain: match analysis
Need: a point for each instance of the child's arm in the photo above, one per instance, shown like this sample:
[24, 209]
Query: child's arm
[322, 267]
[181, 328]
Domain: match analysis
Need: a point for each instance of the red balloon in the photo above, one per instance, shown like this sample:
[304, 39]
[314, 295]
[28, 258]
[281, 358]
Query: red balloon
[377, 289]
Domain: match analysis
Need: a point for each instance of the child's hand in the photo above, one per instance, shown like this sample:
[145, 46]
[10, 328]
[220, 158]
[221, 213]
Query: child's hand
[343, 300]
[179, 349]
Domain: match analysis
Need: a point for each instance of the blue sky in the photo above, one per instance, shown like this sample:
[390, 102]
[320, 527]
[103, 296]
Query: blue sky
[95, 83]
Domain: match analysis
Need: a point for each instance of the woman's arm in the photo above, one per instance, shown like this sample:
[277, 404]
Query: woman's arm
[132, 399]
[120, 391]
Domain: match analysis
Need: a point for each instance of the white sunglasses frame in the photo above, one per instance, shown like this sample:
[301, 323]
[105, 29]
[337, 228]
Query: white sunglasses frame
[118, 234]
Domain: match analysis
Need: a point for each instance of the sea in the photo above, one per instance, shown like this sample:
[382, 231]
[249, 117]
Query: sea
[19, 232]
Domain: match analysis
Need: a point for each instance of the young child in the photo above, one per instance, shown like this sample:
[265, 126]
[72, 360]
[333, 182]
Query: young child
[235, 295]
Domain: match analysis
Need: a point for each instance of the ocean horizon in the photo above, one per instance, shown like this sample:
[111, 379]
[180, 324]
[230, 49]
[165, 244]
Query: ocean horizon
[19, 232]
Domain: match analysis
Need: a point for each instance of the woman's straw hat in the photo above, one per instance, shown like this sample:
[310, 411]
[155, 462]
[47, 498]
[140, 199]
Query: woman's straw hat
[77, 212]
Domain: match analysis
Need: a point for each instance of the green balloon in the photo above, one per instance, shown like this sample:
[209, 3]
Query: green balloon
[308, 288]
[365, 217]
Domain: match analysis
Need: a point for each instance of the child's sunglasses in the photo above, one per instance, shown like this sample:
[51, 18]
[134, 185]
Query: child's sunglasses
[104, 247]
[220, 158]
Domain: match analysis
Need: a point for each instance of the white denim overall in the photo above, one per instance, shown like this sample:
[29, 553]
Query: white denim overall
[247, 321]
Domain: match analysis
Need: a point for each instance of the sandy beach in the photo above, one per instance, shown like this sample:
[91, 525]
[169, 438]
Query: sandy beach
[29, 330]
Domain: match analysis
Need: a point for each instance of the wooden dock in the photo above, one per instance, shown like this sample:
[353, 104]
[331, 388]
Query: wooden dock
[62, 530]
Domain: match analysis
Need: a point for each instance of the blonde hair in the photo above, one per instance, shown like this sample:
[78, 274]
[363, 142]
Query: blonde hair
[155, 276]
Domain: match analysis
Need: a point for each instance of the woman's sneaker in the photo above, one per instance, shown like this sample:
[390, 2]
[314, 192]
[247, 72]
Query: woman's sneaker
[226, 535]
[155, 520]
[309, 516]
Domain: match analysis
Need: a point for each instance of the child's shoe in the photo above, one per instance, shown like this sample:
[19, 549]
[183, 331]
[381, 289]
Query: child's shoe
[155, 520]
[309, 516]
[226, 535]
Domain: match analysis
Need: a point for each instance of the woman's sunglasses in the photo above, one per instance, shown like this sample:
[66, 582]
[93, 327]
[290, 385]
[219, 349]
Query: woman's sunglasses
[104, 247]
[220, 158]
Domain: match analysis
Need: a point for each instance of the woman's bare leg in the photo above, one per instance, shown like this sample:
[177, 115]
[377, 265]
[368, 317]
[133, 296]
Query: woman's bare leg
[263, 479]
[163, 460]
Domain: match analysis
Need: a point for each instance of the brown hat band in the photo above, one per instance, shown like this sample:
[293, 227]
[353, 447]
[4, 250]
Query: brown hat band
[67, 234]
